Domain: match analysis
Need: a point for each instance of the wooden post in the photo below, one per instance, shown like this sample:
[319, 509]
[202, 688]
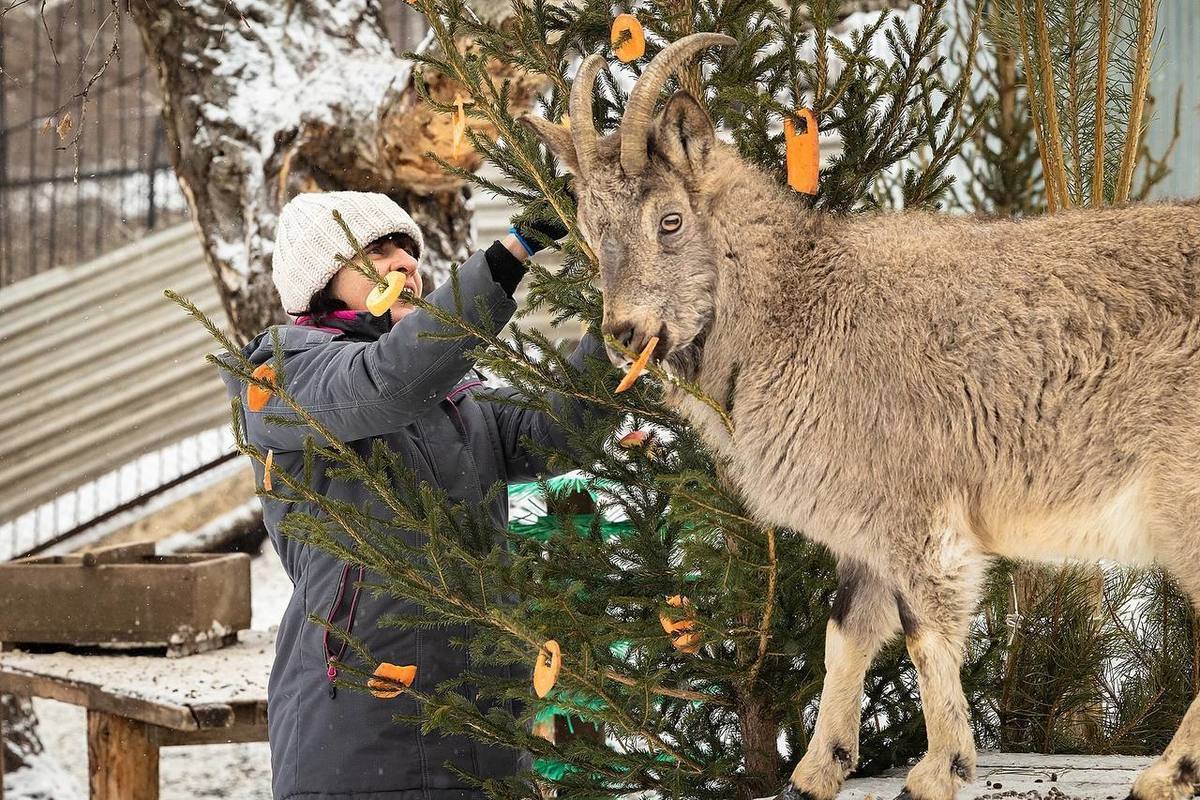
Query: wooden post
[122, 759]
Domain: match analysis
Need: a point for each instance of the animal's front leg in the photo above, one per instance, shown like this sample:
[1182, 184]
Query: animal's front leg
[864, 617]
[935, 611]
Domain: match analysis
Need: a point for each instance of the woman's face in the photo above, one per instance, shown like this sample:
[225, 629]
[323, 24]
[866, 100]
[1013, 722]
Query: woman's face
[352, 287]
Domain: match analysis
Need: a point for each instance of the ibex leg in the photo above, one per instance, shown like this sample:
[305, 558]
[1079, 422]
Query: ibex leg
[864, 617]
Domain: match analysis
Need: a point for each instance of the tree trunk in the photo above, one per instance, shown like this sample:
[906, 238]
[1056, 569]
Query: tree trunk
[18, 730]
[262, 100]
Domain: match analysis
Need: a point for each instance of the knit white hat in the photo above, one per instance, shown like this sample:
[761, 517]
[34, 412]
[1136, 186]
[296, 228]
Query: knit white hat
[308, 239]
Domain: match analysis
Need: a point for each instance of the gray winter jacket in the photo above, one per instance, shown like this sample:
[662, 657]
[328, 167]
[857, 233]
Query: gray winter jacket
[366, 381]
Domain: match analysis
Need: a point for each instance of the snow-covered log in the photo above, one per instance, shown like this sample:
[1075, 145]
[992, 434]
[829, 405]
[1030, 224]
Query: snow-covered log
[263, 99]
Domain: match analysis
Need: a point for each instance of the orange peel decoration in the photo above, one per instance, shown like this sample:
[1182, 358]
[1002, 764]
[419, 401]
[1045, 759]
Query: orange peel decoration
[256, 396]
[638, 365]
[387, 679]
[381, 297]
[684, 637]
[803, 152]
[549, 661]
[628, 47]
[459, 119]
[267, 469]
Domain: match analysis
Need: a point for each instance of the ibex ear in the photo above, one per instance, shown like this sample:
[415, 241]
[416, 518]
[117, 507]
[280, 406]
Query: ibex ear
[557, 139]
[683, 134]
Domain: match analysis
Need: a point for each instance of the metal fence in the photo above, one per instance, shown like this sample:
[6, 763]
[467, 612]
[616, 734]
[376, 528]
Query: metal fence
[125, 190]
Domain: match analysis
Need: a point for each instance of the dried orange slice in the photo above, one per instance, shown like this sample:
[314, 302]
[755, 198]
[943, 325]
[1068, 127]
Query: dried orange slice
[803, 152]
[638, 366]
[630, 47]
[267, 469]
[387, 679]
[633, 439]
[546, 672]
[256, 396]
[684, 637]
[381, 298]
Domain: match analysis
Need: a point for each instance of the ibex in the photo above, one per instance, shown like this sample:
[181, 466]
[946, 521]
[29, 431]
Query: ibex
[918, 392]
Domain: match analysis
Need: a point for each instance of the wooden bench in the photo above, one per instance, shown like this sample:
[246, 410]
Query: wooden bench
[139, 703]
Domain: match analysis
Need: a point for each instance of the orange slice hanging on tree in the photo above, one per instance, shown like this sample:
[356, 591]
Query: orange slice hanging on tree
[381, 297]
[638, 365]
[628, 39]
[389, 680]
[803, 149]
[546, 672]
[256, 396]
[684, 637]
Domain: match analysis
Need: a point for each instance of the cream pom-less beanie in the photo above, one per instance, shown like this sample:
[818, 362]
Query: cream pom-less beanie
[308, 239]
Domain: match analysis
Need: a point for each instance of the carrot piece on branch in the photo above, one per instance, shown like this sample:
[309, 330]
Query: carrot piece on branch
[549, 661]
[803, 151]
[628, 39]
[256, 396]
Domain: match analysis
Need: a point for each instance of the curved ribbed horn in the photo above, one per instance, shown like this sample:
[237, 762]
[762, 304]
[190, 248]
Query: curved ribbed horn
[639, 111]
[583, 132]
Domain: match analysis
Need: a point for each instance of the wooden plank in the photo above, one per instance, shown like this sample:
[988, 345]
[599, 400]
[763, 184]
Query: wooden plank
[225, 688]
[93, 697]
[122, 759]
[238, 734]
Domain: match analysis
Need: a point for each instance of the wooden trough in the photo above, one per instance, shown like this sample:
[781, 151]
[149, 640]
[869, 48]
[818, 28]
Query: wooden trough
[125, 596]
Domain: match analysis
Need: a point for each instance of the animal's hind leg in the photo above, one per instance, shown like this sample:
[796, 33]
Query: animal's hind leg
[1176, 775]
[864, 618]
[936, 610]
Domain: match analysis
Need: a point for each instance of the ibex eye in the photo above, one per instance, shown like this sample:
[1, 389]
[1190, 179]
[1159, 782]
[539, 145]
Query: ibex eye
[670, 223]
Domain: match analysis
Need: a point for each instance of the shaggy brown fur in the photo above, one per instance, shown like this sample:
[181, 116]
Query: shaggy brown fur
[917, 392]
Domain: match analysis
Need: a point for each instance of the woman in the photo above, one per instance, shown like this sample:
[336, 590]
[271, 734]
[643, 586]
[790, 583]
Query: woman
[368, 379]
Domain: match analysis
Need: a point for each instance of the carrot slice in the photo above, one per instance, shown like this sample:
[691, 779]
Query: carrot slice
[638, 366]
[387, 677]
[267, 469]
[633, 439]
[546, 672]
[256, 396]
[633, 46]
[803, 152]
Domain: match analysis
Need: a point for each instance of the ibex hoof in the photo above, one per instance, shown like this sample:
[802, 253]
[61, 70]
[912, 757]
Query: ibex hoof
[792, 793]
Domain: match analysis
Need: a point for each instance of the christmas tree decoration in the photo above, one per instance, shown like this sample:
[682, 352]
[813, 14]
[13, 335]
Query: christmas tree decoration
[684, 636]
[382, 297]
[267, 469]
[628, 39]
[638, 366]
[546, 672]
[803, 150]
[389, 680]
[257, 396]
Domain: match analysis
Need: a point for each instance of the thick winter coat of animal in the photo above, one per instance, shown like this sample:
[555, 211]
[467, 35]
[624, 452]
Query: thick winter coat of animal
[918, 392]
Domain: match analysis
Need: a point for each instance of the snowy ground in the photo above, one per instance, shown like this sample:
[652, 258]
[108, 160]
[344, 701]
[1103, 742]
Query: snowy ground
[243, 771]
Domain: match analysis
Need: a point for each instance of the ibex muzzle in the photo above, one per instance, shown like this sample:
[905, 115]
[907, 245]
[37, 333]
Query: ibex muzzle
[920, 393]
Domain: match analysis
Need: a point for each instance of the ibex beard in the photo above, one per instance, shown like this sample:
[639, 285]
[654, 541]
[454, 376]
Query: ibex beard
[920, 393]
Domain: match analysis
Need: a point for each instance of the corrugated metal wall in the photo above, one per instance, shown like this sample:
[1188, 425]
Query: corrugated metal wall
[1178, 64]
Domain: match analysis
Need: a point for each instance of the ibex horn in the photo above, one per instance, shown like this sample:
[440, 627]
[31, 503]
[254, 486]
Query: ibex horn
[639, 111]
[583, 131]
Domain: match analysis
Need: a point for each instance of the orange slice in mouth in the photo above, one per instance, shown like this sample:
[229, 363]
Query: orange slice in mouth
[546, 672]
[381, 298]
[638, 366]
[389, 680]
